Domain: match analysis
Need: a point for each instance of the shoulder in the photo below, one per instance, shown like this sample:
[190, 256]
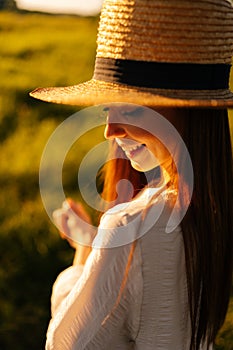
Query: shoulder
[119, 225]
[129, 221]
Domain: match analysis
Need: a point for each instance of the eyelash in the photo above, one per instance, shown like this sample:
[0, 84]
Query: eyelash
[104, 112]
[136, 112]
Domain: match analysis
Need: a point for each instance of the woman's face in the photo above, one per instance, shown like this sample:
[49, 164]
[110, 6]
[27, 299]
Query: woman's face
[137, 131]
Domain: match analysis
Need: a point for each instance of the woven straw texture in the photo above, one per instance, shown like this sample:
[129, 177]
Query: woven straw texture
[183, 31]
[167, 31]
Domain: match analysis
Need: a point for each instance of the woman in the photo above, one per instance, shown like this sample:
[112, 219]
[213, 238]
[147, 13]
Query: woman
[155, 290]
[138, 281]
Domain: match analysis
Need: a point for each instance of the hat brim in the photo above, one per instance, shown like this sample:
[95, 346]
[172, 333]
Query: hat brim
[95, 92]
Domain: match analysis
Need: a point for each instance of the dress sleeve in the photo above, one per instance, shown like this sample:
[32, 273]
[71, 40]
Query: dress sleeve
[80, 312]
[63, 285]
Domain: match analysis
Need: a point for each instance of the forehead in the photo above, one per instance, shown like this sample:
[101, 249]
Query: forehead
[171, 114]
[120, 106]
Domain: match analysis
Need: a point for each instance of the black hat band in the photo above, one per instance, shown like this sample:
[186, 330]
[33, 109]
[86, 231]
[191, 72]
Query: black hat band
[162, 75]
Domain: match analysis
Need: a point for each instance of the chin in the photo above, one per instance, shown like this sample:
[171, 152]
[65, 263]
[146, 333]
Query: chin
[137, 167]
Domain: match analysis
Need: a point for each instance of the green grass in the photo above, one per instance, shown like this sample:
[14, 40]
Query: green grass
[38, 50]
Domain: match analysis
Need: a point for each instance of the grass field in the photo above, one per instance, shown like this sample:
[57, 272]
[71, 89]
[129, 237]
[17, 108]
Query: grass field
[38, 50]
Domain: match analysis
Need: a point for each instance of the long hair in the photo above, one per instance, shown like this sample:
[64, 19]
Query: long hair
[117, 169]
[207, 225]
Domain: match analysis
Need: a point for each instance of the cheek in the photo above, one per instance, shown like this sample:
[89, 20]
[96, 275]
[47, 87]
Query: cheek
[158, 149]
[153, 144]
[141, 135]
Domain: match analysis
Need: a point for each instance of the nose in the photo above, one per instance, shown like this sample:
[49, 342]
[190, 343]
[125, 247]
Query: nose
[113, 130]
[114, 127]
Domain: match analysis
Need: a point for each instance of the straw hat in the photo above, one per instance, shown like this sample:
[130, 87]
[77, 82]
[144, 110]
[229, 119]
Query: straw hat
[158, 53]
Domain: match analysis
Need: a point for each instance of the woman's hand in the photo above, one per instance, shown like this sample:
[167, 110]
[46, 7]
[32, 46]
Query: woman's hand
[75, 226]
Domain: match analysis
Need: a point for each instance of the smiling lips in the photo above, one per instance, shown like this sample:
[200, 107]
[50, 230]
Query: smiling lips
[140, 156]
[133, 152]
[130, 147]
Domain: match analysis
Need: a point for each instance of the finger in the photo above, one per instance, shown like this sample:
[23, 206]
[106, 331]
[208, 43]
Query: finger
[72, 205]
[60, 219]
[77, 208]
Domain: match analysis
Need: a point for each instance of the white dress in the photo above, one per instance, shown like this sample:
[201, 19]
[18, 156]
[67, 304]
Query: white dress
[92, 307]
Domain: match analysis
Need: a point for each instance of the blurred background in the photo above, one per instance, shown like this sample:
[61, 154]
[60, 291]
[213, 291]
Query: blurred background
[39, 49]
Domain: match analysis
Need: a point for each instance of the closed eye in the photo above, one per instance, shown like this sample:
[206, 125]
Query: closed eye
[135, 112]
[104, 112]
